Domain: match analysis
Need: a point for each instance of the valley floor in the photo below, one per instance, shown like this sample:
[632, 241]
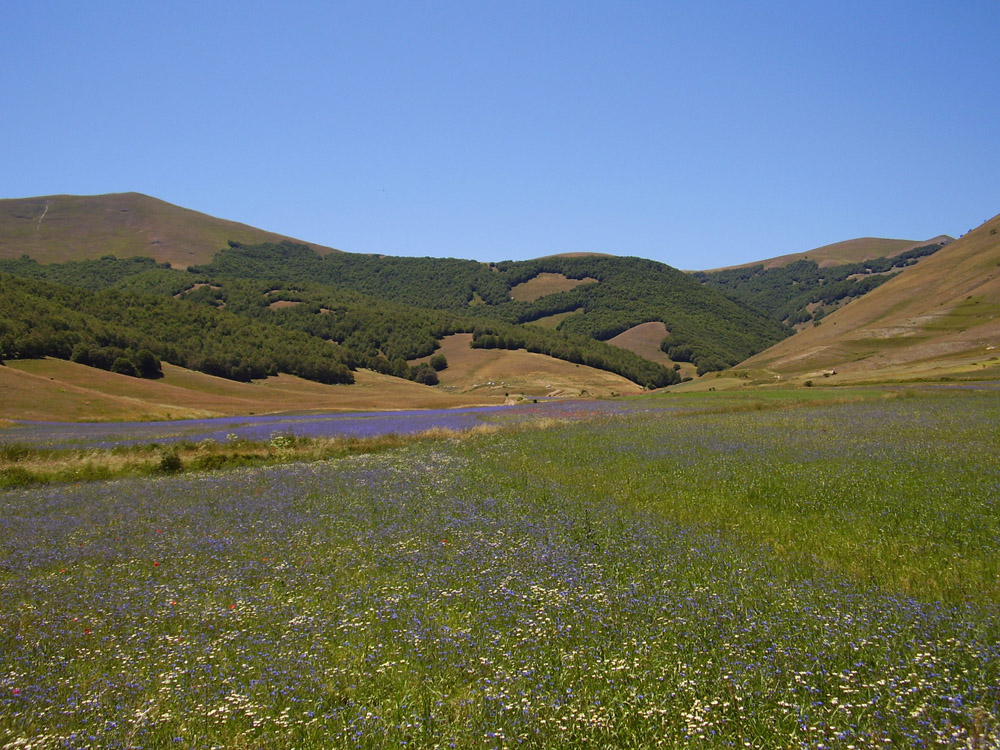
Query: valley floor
[791, 569]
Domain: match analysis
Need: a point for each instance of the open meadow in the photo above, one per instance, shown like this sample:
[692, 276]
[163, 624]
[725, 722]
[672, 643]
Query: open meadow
[810, 568]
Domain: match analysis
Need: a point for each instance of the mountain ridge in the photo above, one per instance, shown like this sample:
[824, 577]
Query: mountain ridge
[843, 252]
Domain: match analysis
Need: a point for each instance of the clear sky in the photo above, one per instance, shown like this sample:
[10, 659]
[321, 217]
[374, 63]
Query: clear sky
[696, 133]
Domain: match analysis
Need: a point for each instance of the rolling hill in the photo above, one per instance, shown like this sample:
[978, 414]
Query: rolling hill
[803, 291]
[605, 295]
[847, 251]
[938, 316]
[59, 228]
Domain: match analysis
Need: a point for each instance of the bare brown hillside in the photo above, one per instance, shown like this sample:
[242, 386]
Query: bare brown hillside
[58, 228]
[517, 373]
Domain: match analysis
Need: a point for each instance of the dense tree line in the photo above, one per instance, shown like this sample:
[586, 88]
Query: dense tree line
[436, 283]
[371, 333]
[383, 336]
[231, 329]
[631, 291]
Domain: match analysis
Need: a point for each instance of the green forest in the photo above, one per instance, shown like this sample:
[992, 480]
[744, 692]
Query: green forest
[243, 328]
[628, 292]
[102, 328]
[258, 310]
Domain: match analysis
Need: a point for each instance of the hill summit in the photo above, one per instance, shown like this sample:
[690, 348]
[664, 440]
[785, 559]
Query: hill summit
[60, 228]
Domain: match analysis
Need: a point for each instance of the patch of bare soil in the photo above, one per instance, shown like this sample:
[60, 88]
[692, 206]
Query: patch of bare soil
[544, 284]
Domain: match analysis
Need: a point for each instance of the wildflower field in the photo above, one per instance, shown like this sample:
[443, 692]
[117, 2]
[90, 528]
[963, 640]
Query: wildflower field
[699, 572]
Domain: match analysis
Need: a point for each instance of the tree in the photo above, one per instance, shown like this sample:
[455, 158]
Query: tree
[147, 365]
[425, 374]
[439, 362]
[124, 366]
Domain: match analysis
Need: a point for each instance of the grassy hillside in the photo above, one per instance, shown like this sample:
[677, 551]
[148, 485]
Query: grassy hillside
[58, 228]
[803, 291]
[943, 314]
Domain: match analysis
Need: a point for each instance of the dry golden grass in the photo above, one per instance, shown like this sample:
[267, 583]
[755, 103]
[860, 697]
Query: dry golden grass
[502, 373]
[58, 228]
[553, 321]
[940, 316]
[848, 251]
[644, 339]
[546, 283]
[56, 390]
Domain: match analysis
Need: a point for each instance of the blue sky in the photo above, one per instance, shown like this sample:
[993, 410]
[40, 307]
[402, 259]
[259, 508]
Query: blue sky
[699, 134]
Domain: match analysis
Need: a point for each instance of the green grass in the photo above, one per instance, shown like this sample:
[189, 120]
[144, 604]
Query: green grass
[820, 480]
[813, 573]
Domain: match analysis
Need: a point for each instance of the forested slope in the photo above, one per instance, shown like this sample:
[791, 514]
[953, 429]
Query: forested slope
[719, 331]
[111, 329]
[260, 324]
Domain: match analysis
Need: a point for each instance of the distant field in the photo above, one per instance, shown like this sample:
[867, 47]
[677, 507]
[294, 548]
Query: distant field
[768, 570]
[56, 390]
[553, 321]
